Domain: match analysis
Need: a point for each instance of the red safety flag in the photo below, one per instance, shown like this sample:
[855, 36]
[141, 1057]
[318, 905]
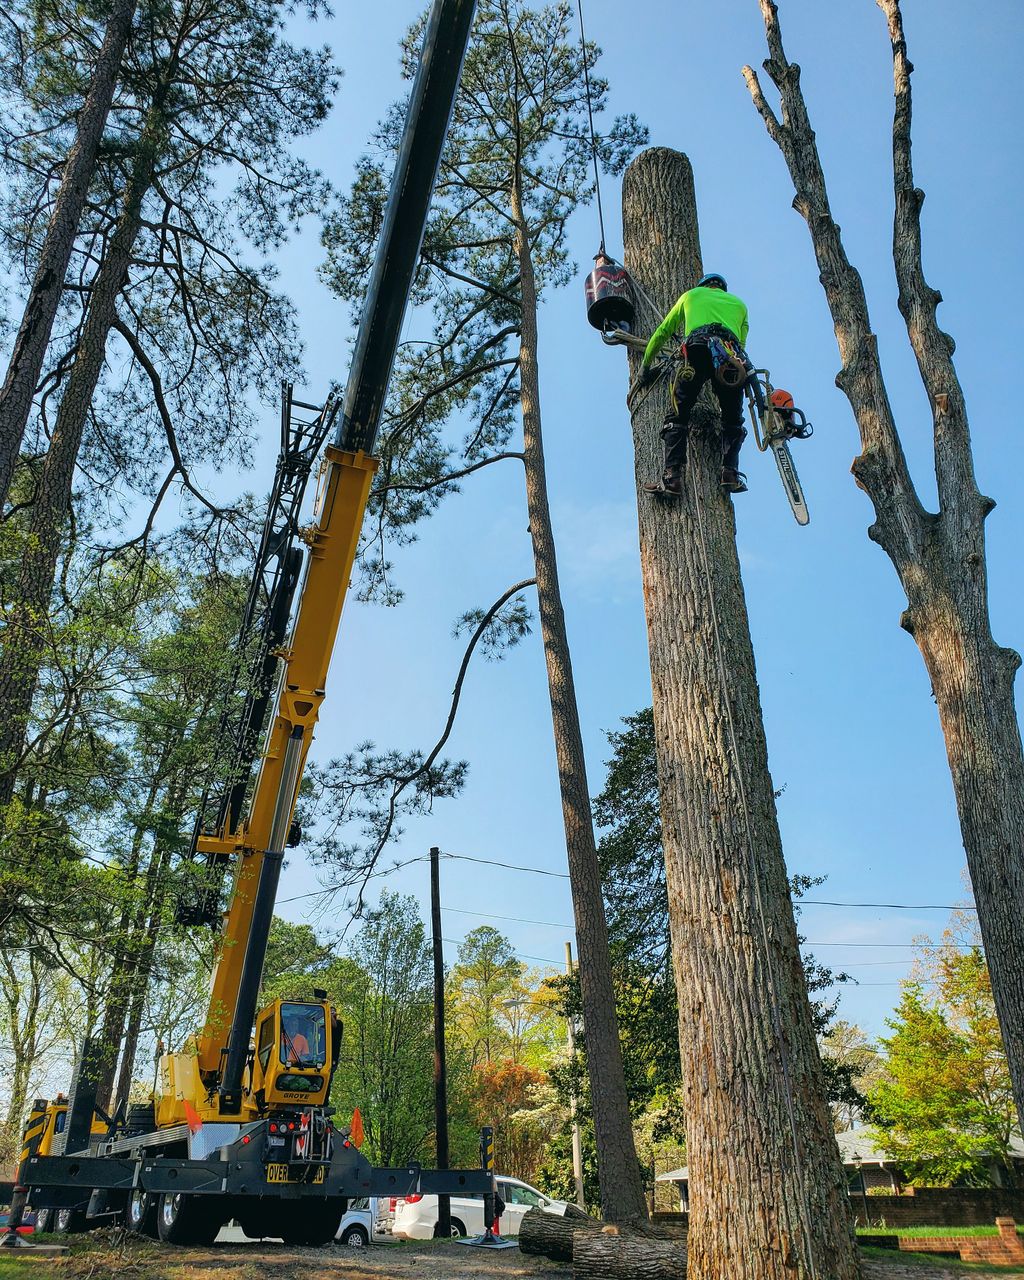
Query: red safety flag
[356, 1135]
[193, 1118]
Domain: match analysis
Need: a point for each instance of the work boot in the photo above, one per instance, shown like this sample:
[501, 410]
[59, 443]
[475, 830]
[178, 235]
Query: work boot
[671, 483]
[733, 481]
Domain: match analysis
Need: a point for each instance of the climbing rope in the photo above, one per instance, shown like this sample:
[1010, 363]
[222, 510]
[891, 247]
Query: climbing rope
[590, 116]
[776, 997]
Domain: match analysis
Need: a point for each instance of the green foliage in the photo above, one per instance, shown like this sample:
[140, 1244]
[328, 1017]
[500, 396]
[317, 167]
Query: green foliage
[218, 92]
[386, 1000]
[481, 980]
[945, 1110]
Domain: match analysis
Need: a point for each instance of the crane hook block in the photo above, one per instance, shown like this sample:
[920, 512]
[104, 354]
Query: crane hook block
[609, 290]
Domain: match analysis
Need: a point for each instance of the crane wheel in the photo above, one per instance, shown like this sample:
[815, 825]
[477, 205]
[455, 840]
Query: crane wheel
[188, 1219]
[70, 1222]
[140, 1213]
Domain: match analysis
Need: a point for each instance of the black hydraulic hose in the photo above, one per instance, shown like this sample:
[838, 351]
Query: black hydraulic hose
[430, 109]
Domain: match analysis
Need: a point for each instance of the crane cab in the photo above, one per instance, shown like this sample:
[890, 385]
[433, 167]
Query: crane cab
[297, 1046]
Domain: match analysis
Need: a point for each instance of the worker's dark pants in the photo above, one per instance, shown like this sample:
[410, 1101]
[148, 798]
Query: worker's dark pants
[684, 395]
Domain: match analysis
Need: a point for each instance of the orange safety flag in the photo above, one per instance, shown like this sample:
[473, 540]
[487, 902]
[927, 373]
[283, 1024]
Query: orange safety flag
[193, 1118]
[356, 1134]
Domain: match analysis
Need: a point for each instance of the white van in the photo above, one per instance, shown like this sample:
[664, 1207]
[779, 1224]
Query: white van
[416, 1216]
[367, 1220]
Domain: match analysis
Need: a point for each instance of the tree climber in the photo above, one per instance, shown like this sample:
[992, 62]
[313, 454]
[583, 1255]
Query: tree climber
[714, 326]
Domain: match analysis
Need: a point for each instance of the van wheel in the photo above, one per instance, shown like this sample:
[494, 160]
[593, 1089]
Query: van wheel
[356, 1236]
[185, 1219]
[140, 1213]
[458, 1228]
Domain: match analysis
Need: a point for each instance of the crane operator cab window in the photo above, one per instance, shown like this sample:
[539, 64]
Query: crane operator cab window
[292, 1053]
[303, 1035]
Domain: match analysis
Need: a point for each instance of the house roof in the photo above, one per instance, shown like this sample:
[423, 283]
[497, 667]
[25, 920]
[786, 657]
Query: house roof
[859, 1142]
[852, 1143]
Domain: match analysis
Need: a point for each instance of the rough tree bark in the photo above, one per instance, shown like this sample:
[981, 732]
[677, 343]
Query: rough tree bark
[44, 296]
[551, 1235]
[767, 1194]
[27, 630]
[622, 1193]
[597, 1256]
[939, 557]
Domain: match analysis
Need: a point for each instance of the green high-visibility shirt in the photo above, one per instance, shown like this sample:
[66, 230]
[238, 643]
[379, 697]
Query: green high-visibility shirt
[696, 308]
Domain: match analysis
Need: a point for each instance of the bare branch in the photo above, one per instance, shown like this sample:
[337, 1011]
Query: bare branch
[901, 523]
[403, 782]
[447, 479]
[959, 500]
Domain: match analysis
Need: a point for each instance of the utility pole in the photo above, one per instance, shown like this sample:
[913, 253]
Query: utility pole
[444, 1202]
[751, 1071]
[577, 1146]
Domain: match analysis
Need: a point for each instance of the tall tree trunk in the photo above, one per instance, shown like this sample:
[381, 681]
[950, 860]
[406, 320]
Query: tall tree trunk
[767, 1194]
[115, 1009]
[622, 1194]
[27, 631]
[141, 973]
[44, 297]
[940, 558]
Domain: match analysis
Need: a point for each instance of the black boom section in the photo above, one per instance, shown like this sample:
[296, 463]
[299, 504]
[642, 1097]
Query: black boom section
[405, 219]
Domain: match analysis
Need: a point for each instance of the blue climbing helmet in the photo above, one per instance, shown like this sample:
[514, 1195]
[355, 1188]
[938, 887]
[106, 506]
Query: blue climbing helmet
[712, 279]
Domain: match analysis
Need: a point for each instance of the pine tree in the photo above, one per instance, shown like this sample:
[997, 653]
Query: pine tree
[209, 93]
[515, 168]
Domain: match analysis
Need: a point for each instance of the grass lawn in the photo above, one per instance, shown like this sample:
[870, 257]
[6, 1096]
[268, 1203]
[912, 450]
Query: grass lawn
[931, 1263]
[923, 1232]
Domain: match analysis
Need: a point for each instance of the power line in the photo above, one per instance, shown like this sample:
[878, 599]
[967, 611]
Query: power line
[555, 924]
[889, 906]
[489, 915]
[509, 866]
[811, 902]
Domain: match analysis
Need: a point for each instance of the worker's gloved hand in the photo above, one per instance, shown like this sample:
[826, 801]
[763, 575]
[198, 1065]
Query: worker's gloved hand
[648, 376]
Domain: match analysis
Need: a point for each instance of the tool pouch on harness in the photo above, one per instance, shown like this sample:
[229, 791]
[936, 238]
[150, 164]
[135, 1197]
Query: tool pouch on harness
[727, 355]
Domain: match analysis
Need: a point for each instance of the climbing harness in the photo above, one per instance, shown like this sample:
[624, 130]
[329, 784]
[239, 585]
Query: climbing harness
[775, 424]
[755, 875]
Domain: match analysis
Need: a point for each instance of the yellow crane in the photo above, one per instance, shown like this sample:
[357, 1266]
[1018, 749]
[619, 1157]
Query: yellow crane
[239, 1125]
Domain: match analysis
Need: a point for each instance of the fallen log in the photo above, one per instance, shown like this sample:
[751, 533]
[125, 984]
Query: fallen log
[599, 1256]
[551, 1235]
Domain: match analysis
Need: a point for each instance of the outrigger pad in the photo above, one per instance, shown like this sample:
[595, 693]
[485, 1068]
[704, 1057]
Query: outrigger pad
[481, 1242]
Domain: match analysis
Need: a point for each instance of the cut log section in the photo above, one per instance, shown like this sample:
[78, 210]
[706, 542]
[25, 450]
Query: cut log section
[599, 1256]
[551, 1235]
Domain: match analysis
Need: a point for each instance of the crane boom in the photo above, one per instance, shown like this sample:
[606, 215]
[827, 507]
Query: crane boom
[258, 848]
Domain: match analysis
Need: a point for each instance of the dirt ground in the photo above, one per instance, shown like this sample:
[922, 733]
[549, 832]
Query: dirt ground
[109, 1255]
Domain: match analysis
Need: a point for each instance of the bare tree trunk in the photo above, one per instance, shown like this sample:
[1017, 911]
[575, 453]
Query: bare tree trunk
[767, 1194]
[44, 297]
[141, 974]
[940, 558]
[622, 1194]
[27, 630]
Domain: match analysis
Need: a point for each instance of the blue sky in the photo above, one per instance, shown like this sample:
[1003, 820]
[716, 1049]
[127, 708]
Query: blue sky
[852, 730]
